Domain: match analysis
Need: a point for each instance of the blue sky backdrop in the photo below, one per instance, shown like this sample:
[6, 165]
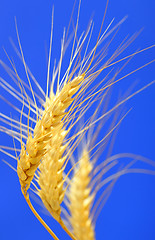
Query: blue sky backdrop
[130, 211]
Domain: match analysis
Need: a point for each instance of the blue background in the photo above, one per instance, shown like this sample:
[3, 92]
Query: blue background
[130, 210]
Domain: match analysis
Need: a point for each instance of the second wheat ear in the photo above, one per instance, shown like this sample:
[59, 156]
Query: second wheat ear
[81, 198]
[50, 173]
[91, 176]
[48, 127]
[45, 149]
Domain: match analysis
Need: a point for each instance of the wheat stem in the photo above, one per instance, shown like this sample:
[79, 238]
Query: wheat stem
[26, 196]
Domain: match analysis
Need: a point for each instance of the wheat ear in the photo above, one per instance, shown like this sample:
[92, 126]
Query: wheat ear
[85, 184]
[89, 176]
[45, 128]
[81, 200]
[50, 174]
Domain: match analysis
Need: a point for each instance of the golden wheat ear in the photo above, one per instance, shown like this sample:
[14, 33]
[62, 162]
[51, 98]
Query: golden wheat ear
[93, 174]
[81, 198]
[83, 204]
